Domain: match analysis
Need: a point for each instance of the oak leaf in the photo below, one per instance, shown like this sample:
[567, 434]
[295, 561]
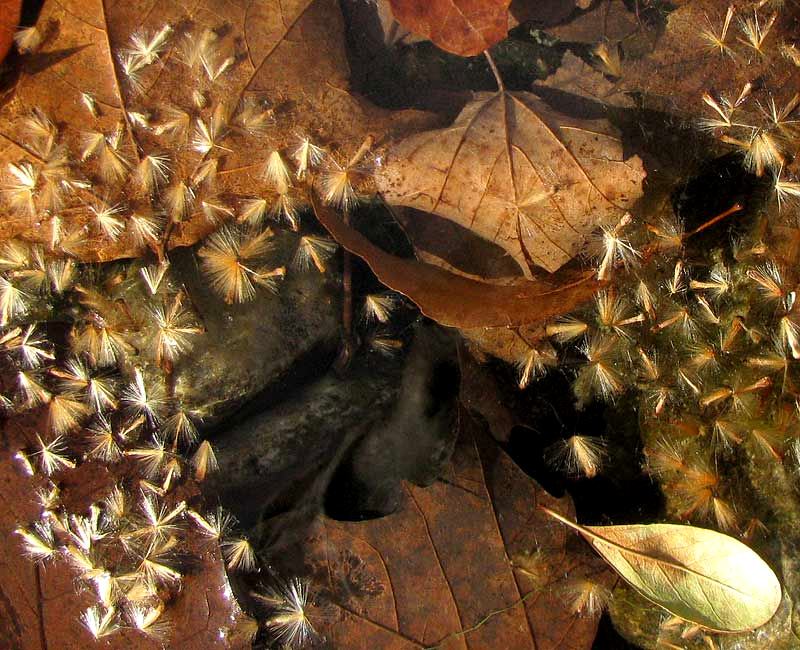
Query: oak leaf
[436, 573]
[464, 27]
[534, 182]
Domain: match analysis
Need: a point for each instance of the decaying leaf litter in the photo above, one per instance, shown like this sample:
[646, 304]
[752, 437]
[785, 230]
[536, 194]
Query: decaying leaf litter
[430, 601]
[510, 170]
[129, 196]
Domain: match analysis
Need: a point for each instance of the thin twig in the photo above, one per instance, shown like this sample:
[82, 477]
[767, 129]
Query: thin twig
[347, 288]
[735, 208]
[480, 623]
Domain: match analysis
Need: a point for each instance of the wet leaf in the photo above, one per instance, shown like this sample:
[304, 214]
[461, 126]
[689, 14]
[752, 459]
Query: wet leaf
[269, 71]
[457, 301]
[9, 20]
[39, 605]
[577, 79]
[609, 19]
[701, 575]
[436, 574]
[464, 27]
[684, 65]
[516, 173]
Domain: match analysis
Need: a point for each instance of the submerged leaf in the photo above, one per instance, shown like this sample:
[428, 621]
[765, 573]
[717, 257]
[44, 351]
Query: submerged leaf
[464, 27]
[701, 575]
[518, 174]
[457, 301]
[436, 573]
[238, 58]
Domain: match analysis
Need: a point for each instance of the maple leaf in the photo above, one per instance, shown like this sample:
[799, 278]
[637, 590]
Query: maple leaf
[510, 169]
[437, 573]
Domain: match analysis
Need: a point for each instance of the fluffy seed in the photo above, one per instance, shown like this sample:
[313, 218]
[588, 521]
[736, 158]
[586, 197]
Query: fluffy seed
[312, 250]
[28, 39]
[227, 255]
[585, 597]
[378, 307]
[289, 621]
[204, 460]
[578, 455]
[239, 554]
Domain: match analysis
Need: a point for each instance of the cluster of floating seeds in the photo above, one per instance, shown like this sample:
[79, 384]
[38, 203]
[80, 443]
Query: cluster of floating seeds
[97, 382]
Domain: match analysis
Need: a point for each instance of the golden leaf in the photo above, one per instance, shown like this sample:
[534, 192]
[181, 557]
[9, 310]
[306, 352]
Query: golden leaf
[700, 575]
[518, 174]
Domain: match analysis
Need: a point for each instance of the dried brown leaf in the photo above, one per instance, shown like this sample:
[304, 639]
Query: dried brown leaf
[576, 77]
[287, 58]
[516, 173]
[464, 27]
[457, 301]
[437, 572]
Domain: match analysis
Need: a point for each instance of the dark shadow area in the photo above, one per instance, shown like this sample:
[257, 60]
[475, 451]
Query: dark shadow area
[414, 441]
[716, 187]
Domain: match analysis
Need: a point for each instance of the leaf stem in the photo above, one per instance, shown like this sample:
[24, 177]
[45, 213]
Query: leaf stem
[562, 519]
[501, 87]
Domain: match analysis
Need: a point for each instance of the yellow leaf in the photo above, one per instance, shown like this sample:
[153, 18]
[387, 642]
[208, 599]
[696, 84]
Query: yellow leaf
[701, 575]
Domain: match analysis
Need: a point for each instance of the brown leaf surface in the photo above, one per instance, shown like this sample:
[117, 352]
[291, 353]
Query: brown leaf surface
[9, 21]
[431, 573]
[511, 345]
[457, 301]
[516, 173]
[464, 27]
[39, 606]
[577, 77]
[444, 243]
[683, 66]
[288, 56]
[608, 19]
